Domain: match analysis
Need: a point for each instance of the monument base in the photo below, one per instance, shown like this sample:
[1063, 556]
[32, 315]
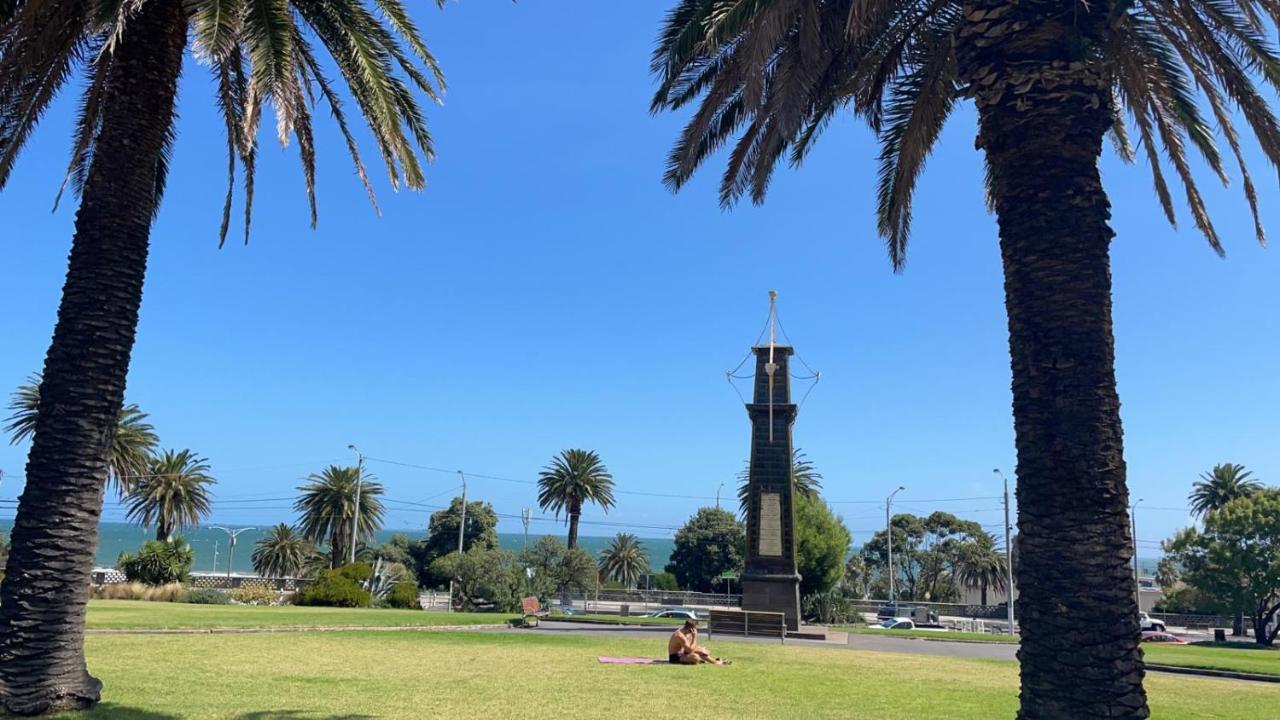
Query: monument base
[773, 593]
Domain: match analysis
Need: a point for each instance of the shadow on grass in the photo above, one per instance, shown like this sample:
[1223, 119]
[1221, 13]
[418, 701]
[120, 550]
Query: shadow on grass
[112, 711]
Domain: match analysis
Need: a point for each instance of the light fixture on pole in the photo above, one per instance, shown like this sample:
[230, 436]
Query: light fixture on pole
[888, 532]
[355, 511]
[1008, 552]
[1133, 528]
[718, 495]
[231, 533]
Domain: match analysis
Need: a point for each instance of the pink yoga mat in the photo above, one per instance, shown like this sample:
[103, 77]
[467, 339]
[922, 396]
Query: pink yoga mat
[630, 661]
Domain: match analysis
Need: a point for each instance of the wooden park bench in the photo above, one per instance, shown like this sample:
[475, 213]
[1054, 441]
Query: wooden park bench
[748, 623]
[531, 609]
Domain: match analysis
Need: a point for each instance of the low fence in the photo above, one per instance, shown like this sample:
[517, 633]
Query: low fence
[210, 580]
[973, 612]
[1196, 622]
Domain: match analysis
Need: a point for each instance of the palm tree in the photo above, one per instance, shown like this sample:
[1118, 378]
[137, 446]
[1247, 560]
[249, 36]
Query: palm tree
[282, 552]
[173, 494]
[804, 476]
[327, 504]
[1219, 486]
[573, 478]
[130, 55]
[131, 446]
[1049, 80]
[624, 559]
[979, 564]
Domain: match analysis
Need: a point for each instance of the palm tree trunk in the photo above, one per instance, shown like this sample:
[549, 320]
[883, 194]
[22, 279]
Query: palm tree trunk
[575, 511]
[1042, 116]
[984, 593]
[55, 535]
[163, 534]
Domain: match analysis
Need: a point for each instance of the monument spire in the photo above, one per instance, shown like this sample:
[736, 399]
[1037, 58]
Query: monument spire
[770, 580]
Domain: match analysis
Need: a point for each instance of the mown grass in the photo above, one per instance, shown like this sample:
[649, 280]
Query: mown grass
[1239, 659]
[524, 675]
[931, 634]
[140, 615]
[616, 619]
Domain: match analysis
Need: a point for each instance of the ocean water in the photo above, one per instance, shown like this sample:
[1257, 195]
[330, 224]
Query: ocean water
[208, 544]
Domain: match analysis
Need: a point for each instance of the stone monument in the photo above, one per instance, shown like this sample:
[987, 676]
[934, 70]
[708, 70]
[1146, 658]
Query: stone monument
[770, 580]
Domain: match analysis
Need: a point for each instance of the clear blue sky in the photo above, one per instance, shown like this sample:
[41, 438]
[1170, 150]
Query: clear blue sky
[546, 292]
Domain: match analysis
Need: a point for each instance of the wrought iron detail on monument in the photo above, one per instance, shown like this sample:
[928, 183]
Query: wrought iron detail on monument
[770, 581]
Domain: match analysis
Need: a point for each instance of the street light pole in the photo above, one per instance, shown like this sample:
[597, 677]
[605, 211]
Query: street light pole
[1133, 528]
[1008, 552]
[888, 532]
[718, 495]
[355, 511]
[525, 516]
[462, 524]
[231, 551]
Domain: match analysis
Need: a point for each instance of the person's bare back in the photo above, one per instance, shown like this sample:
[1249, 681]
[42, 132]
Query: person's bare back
[683, 648]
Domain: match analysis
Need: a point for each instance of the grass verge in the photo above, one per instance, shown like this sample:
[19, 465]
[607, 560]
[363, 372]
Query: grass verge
[141, 615]
[326, 676]
[930, 634]
[1239, 659]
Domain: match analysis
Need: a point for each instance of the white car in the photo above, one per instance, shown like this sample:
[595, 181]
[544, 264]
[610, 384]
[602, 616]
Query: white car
[902, 623]
[1149, 624]
[684, 614]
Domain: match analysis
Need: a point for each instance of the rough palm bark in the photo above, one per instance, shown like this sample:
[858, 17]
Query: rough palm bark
[1043, 100]
[575, 513]
[46, 586]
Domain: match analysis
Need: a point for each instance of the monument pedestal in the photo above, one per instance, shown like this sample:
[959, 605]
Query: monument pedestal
[773, 593]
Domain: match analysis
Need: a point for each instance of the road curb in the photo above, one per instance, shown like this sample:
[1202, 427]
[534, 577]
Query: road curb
[292, 629]
[1206, 672]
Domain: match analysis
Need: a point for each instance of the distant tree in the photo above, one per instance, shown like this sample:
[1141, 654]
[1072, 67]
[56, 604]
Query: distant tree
[1219, 486]
[173, 494]
[557, 568]
[282, 552]
[981, 565]
[925, 554]
[1237, 556]
[485, 578]
[822, 545]
[327, 508]
[624, 559]
[665, 581]
[442, 536]
[131, 447]
[805, 478]
[572, 479]
[857, 577]
[711, 543]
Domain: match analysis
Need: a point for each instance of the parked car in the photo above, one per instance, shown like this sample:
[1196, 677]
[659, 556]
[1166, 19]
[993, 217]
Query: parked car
[1150, 624]
[674, 613]
[1162, 637]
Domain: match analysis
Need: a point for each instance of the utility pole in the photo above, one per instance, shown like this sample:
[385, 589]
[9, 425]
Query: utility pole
[718, 495]
[1133, 528]
[215, 556]
[1008, 552]
[462, 525]
[888, 532]
[355, 511]
[233, 534]
[525, 516]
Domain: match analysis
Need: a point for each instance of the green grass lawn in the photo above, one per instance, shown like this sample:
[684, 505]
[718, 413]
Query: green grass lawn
[616, 620]
[523, 675]
[141, 615]
[930, 634]
[1239, 659]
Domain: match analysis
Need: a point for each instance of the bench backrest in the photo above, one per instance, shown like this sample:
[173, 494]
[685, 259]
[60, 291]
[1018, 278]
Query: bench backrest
[530, 605]
[748, 623]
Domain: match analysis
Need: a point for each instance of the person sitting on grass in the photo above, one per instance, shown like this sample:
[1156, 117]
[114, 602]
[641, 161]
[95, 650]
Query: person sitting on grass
[683, 647]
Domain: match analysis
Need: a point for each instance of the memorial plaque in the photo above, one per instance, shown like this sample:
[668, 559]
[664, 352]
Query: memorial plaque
[770, 525]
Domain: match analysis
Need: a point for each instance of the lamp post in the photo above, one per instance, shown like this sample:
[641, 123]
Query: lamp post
[1133, 529]
[1008, 552]
[355, 511]
[888, 532]
[718, 495]
[231, 533]
[462, 525]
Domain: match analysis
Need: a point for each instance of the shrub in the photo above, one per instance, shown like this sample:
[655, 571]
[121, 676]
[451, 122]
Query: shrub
[665, 581]
[207, 596]
[338, 588]
[120, 591]
[404, 594]
[253, 596]
[158, 563]
[169, 592]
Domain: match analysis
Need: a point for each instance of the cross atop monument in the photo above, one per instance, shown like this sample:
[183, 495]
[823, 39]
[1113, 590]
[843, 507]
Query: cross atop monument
[771, 581]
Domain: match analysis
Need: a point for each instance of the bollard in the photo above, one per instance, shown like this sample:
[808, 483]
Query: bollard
[1219, 635]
